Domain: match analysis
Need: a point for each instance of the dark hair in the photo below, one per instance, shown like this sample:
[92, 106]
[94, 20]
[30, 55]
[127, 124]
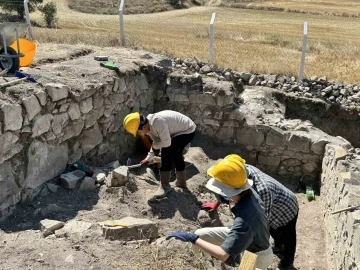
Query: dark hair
[143, 121]
[246, 193]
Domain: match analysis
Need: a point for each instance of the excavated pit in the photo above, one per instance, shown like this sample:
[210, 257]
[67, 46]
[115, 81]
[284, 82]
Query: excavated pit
[75, 113]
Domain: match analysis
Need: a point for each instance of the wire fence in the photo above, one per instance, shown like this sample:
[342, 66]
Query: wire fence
[246, 40]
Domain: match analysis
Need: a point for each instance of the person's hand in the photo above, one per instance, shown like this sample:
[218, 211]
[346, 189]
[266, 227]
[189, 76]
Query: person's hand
[144, 162]
[149, 158]
[183, 236]
[209, 206]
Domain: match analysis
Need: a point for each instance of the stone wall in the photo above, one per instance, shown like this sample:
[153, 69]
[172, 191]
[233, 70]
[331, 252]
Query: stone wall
[340, 188]
[224, 111]
[48, 125]
[321, 99]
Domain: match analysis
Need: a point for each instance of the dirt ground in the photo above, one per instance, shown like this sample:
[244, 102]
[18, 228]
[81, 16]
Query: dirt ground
[22, 245]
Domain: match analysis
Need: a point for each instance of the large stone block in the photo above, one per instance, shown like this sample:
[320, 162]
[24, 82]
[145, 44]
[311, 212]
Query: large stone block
[310, 167]
[298, 142]
[275, 137]
[86, 105]
[49, 226]
[87, 184]
[91, 138]
[91, 118]
[211, 122]
[9, 146]
[74, 111]
[133, 229]
[71, 179]
[249, 136]
[41, 95]
[59, 122]
[74, 227]
[9, 189]
[41, 124]
[12, 116]
[72, 130]
[290, 162]
[120, 176]
[225, 134]
[44, 163]
[268, 161]
[57, 91]
[318, 146]
[32, 106]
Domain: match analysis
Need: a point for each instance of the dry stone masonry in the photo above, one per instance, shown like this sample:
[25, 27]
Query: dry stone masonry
[319, 87]
[291, 130]
[340, 186]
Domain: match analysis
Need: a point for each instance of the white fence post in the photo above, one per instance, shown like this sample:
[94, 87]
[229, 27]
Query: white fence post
[211, 49]
[122, 33]
[27, 15]
[302, 63]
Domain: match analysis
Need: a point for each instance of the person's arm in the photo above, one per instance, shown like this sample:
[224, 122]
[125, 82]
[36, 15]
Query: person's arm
[212, 249]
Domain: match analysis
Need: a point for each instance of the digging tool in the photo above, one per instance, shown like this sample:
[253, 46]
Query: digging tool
[346, 209]
[21, 75]
[12, 82]
[140, 165]
[156, 161]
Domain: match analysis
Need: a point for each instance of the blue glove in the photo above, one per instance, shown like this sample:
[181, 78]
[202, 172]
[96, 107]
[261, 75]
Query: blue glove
[183, 236]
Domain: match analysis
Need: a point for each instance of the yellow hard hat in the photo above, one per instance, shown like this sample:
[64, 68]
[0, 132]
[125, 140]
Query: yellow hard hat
[132, 122]
[235, 158]
[230, 172]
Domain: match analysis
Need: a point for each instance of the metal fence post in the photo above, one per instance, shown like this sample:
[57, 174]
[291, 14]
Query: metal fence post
[211, 49]
[27, 15]
[122, 33]
[302, 63]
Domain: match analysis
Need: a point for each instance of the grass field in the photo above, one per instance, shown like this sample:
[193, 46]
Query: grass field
[331, 7]
[246, 40]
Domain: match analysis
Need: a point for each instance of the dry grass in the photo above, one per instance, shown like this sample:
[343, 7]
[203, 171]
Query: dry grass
[335, 7]
[245, 40]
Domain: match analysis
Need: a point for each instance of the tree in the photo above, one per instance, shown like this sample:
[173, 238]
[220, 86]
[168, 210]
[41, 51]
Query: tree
[18, 6]
[49, 12]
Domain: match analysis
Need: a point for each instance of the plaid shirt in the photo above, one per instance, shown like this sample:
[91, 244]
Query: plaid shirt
[280, 203]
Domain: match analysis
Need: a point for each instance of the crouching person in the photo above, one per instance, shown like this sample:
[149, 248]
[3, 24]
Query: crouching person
[250, 228]
[281, 209]
[170, 132]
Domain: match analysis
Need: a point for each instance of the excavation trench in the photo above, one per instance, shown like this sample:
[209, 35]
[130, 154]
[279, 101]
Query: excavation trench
[76, 112]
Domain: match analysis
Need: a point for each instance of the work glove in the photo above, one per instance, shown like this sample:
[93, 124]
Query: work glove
[209, 206]
[149, 158]
[183, 236]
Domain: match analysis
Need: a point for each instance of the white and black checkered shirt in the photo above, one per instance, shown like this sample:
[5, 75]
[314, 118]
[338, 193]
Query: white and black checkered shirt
[280, 203]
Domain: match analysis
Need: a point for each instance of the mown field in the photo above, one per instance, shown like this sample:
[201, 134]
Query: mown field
[246, 40]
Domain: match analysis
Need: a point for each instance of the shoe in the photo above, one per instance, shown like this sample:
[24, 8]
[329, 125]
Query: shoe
[180, 179]
[164, 187]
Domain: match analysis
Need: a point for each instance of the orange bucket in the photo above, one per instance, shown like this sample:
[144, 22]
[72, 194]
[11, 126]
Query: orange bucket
[28, 49]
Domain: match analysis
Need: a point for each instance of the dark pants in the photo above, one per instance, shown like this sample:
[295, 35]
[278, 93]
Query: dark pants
[286, 235]
[174, 153]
